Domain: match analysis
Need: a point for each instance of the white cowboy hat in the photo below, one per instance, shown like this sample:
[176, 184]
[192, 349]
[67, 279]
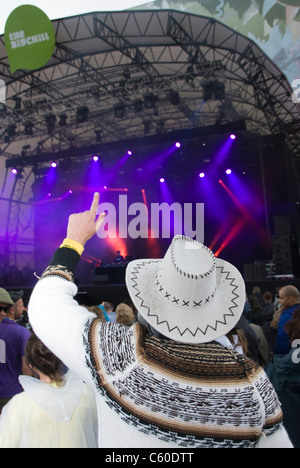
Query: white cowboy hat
[188, 296]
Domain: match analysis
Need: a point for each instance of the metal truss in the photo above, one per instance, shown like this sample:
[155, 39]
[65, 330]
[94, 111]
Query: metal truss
[19, 240]
[126, 75]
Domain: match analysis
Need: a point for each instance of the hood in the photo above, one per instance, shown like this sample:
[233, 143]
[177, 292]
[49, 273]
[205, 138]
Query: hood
[59, 403]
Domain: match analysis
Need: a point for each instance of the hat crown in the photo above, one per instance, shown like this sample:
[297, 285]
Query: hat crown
[187, 275]
[191, 258]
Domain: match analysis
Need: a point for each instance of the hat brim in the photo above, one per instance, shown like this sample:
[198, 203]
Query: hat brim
[5, 297]
[198, 325]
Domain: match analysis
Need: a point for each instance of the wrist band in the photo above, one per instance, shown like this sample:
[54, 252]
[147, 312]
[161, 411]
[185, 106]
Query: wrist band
[74, 245]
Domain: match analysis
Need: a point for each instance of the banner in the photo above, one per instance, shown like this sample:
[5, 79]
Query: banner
[29, 38]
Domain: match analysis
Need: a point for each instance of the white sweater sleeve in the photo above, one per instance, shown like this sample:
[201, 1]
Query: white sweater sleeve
[59, 321]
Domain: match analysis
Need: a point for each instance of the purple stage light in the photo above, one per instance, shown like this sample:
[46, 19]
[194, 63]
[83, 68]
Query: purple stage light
[233, 136]
[201, 175]
[228, 171]
[162, 180]
[54, 164]
[14, 171]
[129, 153]
[96, 158]
[177, 144]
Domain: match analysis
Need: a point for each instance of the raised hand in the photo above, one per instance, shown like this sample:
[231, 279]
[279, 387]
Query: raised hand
[83, 226]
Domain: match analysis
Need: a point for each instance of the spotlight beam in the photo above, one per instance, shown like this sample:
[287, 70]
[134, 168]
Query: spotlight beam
[246, 214]
[240, 224]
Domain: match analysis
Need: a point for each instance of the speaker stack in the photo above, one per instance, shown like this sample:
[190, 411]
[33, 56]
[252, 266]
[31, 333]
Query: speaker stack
[285, 247]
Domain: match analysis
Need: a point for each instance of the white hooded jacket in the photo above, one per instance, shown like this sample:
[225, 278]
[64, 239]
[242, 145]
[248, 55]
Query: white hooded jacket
[44, 416]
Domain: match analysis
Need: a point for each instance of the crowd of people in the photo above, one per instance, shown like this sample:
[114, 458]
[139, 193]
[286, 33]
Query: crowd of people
[191, 362]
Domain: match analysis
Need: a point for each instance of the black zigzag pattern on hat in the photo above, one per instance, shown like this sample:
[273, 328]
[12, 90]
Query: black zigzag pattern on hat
[134, 276]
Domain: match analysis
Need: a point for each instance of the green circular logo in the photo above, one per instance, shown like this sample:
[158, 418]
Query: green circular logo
[29, 38]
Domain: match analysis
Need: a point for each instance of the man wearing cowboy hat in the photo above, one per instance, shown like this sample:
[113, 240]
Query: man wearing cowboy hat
[177, 381]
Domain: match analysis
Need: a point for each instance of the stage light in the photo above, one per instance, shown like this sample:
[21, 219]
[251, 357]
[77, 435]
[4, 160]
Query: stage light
[28, 128]
[129, 153]
[219, 90]
[14, 171]
[162, 180]
[138, 106]
[228, 171]
[11, 130]
[177, 144]
[208, 90]
[63, 120]
[174, 97]
[96, 158]
[53, 164]
[82, 114]
[120, 110]
[50, 121]
[150, 100]
[201, 175]
[233, 136]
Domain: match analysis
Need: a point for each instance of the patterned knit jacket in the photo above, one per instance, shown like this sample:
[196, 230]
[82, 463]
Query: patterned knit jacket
[154, 392]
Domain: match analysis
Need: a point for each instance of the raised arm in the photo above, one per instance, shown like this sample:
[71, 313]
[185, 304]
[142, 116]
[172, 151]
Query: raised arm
[55, 316]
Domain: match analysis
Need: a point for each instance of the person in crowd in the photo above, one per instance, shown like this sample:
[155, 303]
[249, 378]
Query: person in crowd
[256, 292]
[256, 345]
[21, 314]
[284, 373]
[5, 303]
[276, 302]
[267, 318]
[289, 297]
[255, 314]
[119, 259]
[262, 345]
[17, 310]
[54, 411]
[97, 310]
[124, 314]
[246, 337]
[14, 338]
[173, 379]
[108, 311]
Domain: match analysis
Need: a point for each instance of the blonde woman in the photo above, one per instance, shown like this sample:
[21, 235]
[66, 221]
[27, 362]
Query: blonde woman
[124, 314]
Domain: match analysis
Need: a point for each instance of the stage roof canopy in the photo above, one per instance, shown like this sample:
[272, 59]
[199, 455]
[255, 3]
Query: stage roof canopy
[133, 75]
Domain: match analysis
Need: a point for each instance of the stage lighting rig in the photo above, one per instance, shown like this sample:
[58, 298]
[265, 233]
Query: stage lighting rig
[82, 114]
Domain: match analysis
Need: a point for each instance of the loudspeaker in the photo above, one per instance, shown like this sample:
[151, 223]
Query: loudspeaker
[249, 272]
[255, 271]
[283, 225]
[260, 273]
[286, 254]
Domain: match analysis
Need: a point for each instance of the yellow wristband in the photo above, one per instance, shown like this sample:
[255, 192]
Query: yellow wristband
[74, 245]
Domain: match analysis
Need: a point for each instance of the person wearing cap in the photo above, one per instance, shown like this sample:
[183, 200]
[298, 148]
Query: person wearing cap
[14, 339]
[15, 313]
[173, 379]
[5, 303]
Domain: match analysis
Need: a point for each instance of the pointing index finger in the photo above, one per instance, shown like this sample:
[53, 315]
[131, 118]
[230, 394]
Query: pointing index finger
[95, 203]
